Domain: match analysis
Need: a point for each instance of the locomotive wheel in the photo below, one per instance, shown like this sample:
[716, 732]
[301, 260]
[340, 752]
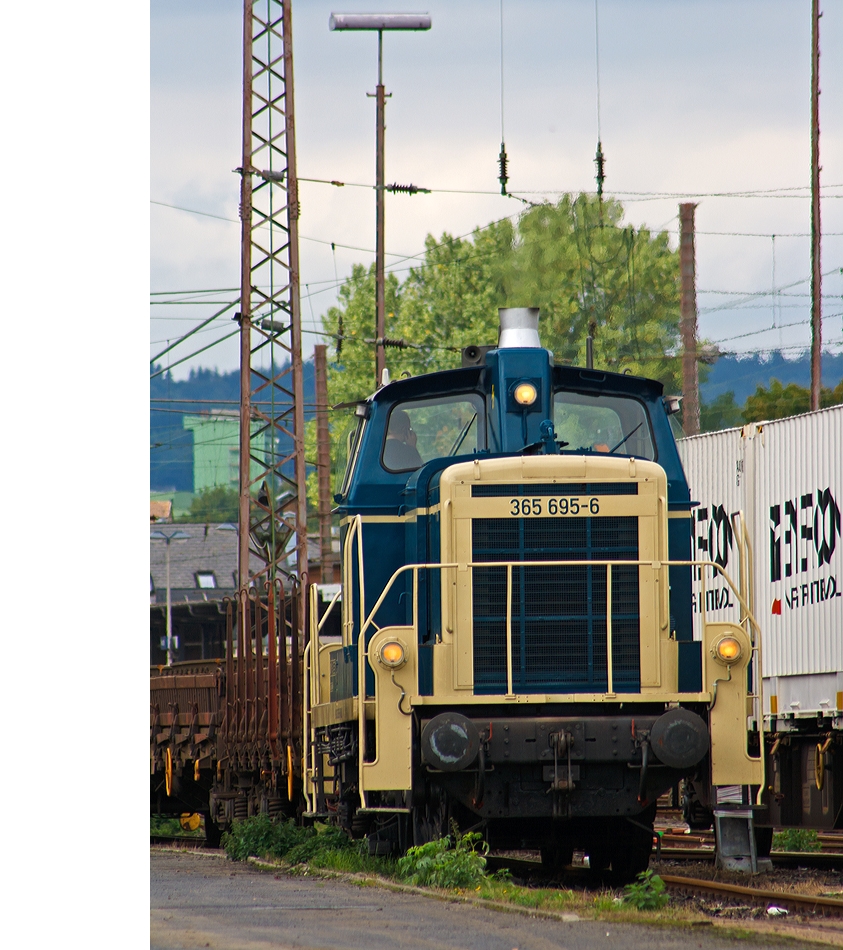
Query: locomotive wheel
[430, 821]
[631, 855]
[556, 857]
[624, 846]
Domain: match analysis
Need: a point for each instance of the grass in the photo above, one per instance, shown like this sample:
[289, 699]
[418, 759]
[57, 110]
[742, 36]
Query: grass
[796, 839]
[159, 825]
[455, 865]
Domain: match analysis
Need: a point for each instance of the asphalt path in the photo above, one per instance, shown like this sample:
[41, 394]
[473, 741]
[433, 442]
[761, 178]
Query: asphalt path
[201, 901]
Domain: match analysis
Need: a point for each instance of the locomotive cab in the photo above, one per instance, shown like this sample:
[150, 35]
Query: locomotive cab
[518, 651]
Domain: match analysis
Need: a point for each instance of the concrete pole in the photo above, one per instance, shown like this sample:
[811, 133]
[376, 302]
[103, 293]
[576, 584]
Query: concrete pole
[380, 216]
[688, 321]
[816, 229]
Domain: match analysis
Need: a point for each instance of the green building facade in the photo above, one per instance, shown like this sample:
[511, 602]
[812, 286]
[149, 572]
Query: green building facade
[216, 449]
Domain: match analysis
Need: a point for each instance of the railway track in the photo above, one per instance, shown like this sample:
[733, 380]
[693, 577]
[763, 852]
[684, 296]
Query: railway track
[814, 860]
[185, 841]
[797, 903]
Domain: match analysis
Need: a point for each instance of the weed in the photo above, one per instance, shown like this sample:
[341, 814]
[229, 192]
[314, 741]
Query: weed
[647, 894]
[796, 839]
[439, 864]
[159, 825]
[262, 837]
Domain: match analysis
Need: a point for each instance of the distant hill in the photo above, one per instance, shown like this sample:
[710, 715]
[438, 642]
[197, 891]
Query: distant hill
[171, 446]
[741, 375]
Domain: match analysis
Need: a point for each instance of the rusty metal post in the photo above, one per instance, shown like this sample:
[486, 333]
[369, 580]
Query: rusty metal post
[816, 228]
[245, 301]
[323, 462]
[380, 223]
[294, 297]
[688, 321]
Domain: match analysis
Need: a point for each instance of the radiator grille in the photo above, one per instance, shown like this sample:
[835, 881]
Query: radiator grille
[558, 613]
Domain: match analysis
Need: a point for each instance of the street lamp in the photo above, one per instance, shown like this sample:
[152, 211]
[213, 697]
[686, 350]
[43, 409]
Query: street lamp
[168, 539]
[379, 22]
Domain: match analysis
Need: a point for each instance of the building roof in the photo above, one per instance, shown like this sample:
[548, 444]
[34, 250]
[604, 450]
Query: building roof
[209, 549]
[160, 511]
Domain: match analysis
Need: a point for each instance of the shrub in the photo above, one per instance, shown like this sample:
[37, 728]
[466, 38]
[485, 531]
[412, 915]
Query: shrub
[796, 839]
[441, 864]
[647, 894]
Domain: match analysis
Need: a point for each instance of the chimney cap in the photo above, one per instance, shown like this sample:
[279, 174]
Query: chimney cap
[519, 327]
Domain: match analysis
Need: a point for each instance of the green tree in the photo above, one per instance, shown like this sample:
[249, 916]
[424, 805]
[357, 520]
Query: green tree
[589, 273]
[722, 413]
[778, 401]
[584, 269]
[213, 505]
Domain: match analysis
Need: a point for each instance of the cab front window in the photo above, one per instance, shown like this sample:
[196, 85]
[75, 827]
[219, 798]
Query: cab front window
[424, 429]
[614, 425]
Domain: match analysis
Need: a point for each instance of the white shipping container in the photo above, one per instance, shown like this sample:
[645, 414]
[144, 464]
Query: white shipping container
[787, 478]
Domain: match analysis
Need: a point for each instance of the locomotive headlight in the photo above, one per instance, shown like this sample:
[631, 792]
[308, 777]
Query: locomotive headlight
[728, 650]
[391, 655]
[525, 394]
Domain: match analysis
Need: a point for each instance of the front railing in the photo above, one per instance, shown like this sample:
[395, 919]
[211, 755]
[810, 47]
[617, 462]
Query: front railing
[368, 627]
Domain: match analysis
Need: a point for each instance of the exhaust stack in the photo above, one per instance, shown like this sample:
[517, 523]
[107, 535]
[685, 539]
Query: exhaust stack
[519, 327]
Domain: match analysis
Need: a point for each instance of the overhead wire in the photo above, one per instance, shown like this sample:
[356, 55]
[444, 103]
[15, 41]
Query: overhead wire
[394, 268]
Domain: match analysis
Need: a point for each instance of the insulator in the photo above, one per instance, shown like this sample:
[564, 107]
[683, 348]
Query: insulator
[503, 162]
[407, 189]
[398, 344]
[600, 161]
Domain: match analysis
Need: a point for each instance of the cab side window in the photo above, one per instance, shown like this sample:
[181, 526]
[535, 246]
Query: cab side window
[424, 429]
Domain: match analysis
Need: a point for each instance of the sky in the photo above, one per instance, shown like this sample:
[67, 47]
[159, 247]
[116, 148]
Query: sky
[698, 99]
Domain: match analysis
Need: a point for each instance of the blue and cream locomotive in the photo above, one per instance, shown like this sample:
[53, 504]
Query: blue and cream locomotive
[518, 649]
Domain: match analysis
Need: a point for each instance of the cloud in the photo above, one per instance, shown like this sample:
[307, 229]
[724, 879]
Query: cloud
[702, 96]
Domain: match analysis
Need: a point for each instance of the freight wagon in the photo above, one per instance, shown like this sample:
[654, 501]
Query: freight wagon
[786, 478]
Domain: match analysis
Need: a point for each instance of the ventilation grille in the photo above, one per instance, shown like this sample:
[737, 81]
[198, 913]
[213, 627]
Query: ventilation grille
[558, 613]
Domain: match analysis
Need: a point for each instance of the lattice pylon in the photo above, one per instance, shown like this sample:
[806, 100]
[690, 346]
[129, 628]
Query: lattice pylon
[273, 499]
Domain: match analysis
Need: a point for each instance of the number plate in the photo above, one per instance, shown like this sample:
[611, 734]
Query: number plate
[544, 507]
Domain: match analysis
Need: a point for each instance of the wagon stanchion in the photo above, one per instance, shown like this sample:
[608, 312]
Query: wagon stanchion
[295, 660]
[242, 626]
[260, 675]
[272, 671]
[251, 672]
[229, 671]
[283, 669]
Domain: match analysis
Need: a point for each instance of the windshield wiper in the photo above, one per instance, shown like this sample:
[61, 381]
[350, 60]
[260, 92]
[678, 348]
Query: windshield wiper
[462, 435]
[631, 434]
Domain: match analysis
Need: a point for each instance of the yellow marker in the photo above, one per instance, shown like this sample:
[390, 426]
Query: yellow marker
[189, 822]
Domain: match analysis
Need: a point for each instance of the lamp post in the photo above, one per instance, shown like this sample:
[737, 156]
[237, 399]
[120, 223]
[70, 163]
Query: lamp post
[379, 22]
[168, 539]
